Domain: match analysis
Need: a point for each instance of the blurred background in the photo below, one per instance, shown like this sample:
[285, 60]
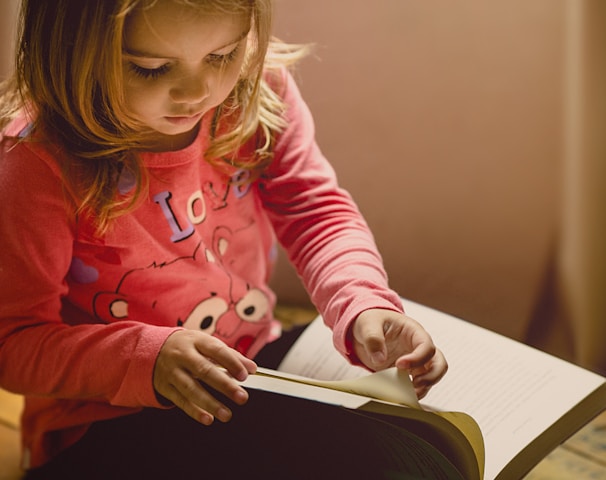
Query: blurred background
[472, 136]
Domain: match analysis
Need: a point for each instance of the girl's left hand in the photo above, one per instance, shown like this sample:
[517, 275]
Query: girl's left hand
[384, 338]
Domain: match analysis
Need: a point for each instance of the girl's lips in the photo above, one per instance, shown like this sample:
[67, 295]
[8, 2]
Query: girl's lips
[182, 120]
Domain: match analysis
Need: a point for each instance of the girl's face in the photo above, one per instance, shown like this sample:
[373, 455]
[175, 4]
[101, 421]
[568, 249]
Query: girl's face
[178, 65]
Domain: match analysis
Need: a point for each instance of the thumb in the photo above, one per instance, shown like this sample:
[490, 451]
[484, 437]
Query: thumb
[372, 339]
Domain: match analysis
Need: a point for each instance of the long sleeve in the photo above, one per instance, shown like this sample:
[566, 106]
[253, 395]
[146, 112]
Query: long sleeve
[40, 353]
[321, 228]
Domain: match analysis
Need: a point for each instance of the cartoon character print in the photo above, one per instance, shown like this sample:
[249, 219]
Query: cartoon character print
[214, 301]
[246, 312]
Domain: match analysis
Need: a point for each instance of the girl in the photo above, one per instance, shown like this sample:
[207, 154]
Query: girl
[152, 151]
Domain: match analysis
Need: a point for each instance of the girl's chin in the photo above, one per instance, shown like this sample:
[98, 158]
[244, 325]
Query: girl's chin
[168, 141]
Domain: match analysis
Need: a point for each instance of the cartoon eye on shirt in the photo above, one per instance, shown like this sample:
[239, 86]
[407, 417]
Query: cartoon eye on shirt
[253, 306]
[206, 315]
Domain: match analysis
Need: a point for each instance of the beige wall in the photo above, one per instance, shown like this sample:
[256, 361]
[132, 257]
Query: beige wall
[444, 121]
[8, 11]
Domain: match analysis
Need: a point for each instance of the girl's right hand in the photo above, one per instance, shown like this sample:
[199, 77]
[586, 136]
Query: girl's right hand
[189, 357]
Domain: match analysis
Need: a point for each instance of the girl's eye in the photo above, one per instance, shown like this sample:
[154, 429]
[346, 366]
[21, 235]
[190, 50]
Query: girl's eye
[223, 60]
[148, 73]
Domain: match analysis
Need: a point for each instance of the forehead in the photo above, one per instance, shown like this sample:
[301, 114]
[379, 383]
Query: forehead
[171, 25]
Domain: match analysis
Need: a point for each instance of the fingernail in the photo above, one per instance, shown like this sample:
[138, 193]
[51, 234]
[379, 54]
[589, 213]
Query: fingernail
[206, 419]
[224, 414]
[240, 396]
[378, 358]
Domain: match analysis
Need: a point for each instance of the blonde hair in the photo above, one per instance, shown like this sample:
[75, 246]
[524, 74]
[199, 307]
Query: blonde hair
[68, 75]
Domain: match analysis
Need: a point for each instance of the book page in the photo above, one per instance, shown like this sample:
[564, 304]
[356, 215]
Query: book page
[390, 385]
[313, 355]
[513, 391]
[303, 390]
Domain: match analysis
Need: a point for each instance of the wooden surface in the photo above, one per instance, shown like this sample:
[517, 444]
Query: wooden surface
[582, 457]
[10, 409]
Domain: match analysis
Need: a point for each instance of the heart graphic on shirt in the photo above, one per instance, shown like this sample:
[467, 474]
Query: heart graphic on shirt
[82, 273]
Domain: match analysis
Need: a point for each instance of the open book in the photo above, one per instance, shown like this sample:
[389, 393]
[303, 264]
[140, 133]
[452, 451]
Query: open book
[500, 409]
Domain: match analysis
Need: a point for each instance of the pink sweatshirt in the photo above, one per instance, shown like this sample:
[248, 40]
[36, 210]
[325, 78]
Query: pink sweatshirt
[82, 318]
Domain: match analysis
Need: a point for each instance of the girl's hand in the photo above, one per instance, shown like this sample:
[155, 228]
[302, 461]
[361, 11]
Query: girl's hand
[189, 357]
[383, 338]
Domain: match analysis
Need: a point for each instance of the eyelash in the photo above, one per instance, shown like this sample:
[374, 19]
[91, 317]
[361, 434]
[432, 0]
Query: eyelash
[154, 73]
[224, 59]
[148, 73]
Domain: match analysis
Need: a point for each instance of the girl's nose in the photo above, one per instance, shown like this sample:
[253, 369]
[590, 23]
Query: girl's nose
[191, 89]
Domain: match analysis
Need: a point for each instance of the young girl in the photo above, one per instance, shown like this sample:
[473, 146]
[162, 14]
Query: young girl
[152, 153]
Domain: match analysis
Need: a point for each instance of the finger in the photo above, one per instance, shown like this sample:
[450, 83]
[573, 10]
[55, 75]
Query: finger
[422, 386]
[200, 368]
[423, 352]
[192, 410]
[422, 391]
[191, 397]
[434, 376]
[234, 362]
[431, 373]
